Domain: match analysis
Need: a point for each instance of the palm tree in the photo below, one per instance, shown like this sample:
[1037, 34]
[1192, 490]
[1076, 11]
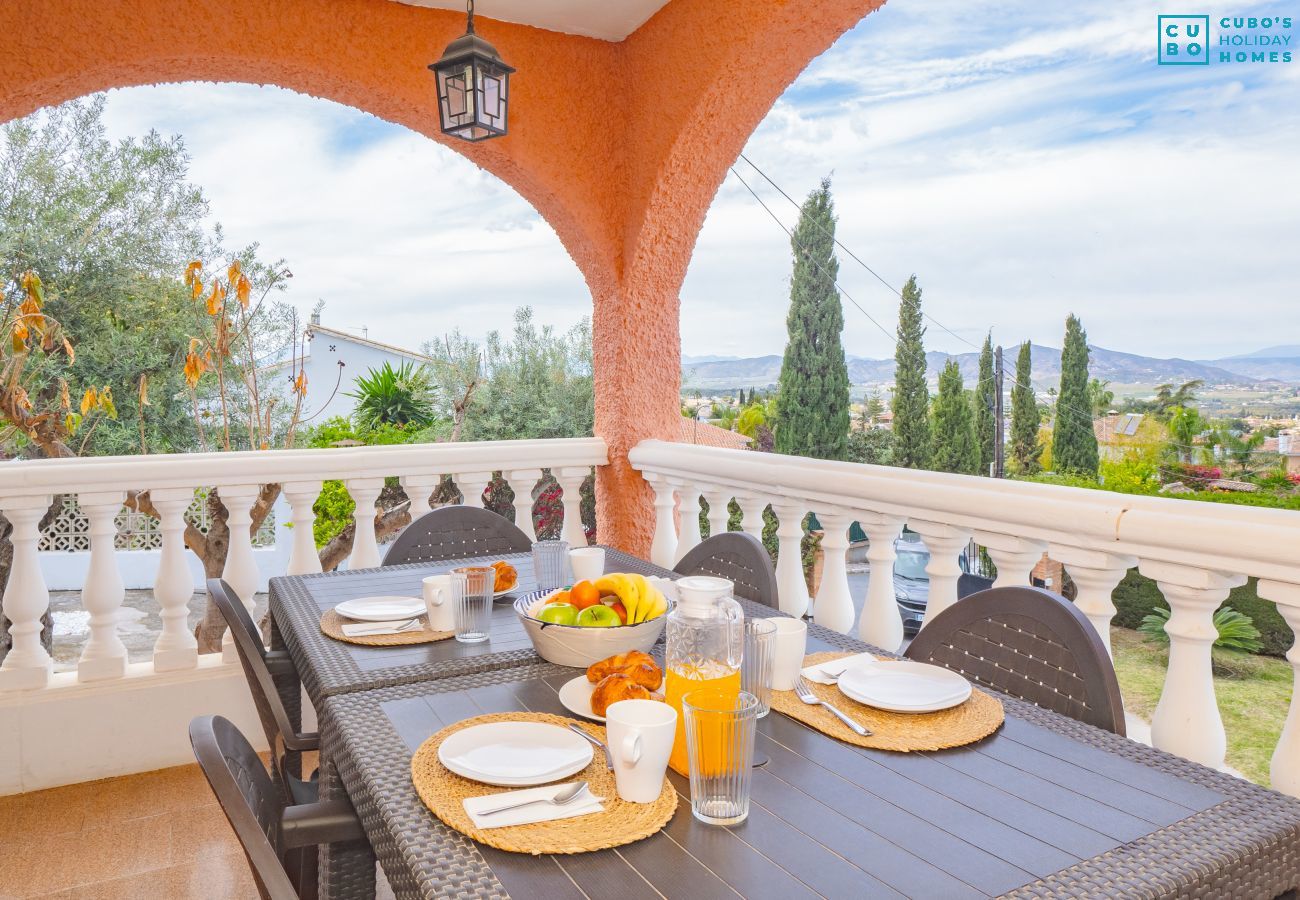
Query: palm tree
[388, 396]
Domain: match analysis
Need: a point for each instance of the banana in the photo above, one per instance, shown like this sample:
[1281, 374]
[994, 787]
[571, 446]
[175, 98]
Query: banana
[624, 588]
[644, 599]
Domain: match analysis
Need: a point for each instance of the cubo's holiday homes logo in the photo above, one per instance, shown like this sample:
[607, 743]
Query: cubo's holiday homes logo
[1186, 40]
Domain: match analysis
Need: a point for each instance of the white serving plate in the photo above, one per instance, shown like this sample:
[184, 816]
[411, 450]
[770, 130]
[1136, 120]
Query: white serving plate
[575, 696]
[381, 609]
[905, 686]
[515, 754]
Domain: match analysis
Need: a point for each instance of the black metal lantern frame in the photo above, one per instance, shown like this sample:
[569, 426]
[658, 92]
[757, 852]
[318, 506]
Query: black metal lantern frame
[473, 87]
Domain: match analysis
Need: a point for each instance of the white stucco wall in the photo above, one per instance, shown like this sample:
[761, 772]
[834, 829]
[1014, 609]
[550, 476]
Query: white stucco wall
[326, 349]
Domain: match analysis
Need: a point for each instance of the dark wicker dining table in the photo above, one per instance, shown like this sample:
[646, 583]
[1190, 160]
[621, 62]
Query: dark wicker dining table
[1045, 807]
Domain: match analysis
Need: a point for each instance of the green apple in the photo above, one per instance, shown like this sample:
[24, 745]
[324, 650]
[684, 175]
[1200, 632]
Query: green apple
[599, 616]
[560, 614]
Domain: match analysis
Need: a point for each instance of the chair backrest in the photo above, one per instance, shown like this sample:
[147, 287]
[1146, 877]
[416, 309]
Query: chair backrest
[456, 532]
[740, 558]
[252, 656]
[248, 798]
[1028, 643]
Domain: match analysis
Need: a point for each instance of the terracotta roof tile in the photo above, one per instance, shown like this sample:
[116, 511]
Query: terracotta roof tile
[706, 435]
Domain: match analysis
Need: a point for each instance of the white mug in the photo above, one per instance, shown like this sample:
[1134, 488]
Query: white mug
[789, 646]
[441, 595]
[588, 563]
[640, 735]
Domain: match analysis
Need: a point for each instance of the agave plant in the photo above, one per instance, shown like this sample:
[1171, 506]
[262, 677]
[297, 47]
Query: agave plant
[388, 396]
[1236, 630]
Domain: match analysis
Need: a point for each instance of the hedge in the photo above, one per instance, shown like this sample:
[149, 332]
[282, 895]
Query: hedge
[1137, 595]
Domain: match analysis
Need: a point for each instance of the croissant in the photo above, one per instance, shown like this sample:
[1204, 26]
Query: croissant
[506, 576]
[640, 667]
[616, 687]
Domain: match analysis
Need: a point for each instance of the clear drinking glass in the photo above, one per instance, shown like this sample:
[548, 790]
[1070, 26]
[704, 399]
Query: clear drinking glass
[720, 742]
[550, 564]
[474, 609]
[756, 664]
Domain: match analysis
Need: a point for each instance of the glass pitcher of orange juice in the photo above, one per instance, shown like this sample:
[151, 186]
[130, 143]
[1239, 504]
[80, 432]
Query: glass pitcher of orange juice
[705, 641]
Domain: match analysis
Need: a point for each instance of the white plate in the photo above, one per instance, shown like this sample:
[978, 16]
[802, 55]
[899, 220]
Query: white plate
[515, 754]
[575, 695]
[381, 609]
[905, 686]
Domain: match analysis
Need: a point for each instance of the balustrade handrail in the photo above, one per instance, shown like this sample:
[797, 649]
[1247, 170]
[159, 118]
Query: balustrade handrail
[57, 476]
[1221, 537]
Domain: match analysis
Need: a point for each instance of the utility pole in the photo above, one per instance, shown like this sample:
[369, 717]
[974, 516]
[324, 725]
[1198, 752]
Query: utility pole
[999, 432]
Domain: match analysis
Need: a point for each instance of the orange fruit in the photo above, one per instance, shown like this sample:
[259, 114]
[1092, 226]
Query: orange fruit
[559, 597]
[584, 594]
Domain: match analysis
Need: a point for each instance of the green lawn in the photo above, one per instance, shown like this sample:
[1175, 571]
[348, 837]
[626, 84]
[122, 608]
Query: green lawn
[1254, 694]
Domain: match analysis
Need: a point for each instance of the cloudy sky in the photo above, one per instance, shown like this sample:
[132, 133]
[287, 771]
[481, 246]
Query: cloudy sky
[1024, 159]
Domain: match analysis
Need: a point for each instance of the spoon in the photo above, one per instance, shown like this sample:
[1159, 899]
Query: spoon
[562, 797]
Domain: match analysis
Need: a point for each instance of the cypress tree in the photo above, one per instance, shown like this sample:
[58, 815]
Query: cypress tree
[911, 397]
[953, 433]
[812, 402]
[1024, 416]
[984, 424]
[1074, 443]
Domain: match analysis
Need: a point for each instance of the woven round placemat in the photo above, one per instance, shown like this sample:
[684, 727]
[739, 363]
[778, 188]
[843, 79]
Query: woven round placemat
[331, 623]
[619, 823]
[977, 718]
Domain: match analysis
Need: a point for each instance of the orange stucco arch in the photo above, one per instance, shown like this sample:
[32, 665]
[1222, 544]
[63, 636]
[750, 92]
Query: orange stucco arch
[620, 146]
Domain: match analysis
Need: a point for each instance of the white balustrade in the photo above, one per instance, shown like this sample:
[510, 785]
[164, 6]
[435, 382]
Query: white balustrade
[419, 488]
[791, 585]
[688, 514]
[571, 479]
[104, 655]
[240, 571]
[719, 516]
[1186, 720]
[751, 510]
[301, 496]
[1284, 771]
[945, 544]
[522, 482]
[882, 622]
[472, 486]
[1014, 557]
[27, 665]
[1095, 575]
[174, 585]
[833, 607]
[365, 545]
[663, 548]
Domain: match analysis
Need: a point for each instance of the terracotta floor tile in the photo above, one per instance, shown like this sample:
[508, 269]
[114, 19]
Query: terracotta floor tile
[214, 878]
[201, 831]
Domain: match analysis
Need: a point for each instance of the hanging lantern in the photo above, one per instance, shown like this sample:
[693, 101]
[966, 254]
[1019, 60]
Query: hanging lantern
[473, 84]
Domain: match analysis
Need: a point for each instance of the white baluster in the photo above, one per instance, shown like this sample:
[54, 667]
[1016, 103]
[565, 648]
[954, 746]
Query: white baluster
[1014, 557]
[365, 547]
[1186, 721]
[104, 655]
[240, 571]
[418, 490]
[945, 544]
[26, 598]
[882, 622]
[663, 549]
[301, 497]
[522, 482]
[472, 485]
[1096, 575]
[571, 479]
[792, 587]
[719, 515]
[688, 516]
[1284, 772]
[834, 606]
[174, 584]
[751, 509]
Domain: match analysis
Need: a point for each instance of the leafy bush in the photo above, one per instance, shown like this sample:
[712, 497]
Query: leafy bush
[1195, 476]
[1137, 595]
[394, 396]
[1236, 631]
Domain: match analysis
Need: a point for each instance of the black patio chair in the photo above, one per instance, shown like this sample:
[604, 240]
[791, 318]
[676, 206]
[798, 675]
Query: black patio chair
[278, 839]
[261, 667]
[740, 558]
[456, 532]
[1031, 644]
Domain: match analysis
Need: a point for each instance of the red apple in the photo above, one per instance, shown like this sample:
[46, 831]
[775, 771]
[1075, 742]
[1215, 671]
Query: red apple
[618, 607]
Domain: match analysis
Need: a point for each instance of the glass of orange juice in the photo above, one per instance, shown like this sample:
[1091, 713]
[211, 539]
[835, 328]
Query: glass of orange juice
[720, 743]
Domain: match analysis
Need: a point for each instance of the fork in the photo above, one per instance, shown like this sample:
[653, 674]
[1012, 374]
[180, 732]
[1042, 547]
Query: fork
[805, 693]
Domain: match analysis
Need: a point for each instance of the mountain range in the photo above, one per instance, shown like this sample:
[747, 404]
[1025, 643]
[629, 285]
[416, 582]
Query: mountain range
[1279, 365]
